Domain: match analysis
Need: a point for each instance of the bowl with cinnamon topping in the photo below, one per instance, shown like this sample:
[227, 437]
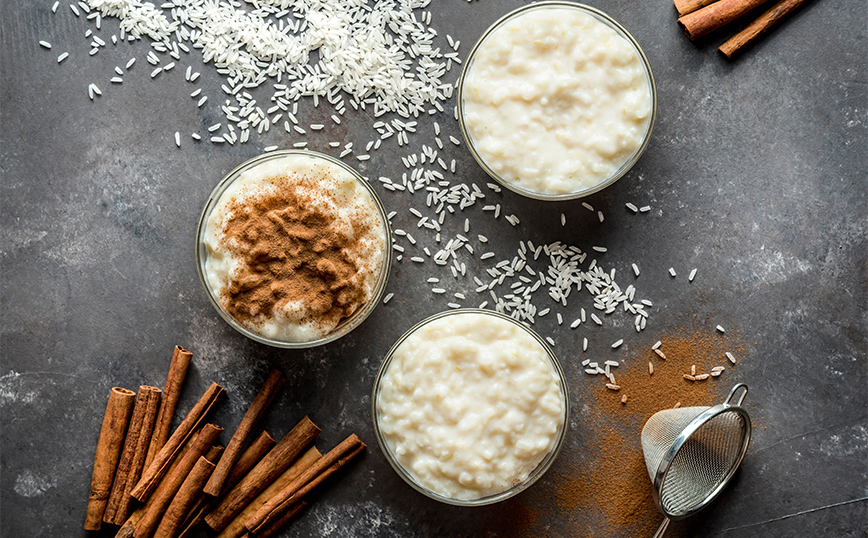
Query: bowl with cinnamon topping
[293, 249]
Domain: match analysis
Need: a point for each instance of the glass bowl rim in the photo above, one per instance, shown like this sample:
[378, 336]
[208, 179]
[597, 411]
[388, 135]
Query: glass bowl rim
[624, 168]
[543, 465]
[346, 325]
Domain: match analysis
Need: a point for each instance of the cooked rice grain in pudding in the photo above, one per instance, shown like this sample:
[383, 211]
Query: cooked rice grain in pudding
[470, 405]
[295, 246]
[556, 101]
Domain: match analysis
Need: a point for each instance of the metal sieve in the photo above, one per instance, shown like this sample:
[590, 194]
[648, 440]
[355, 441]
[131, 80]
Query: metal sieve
[692, 453]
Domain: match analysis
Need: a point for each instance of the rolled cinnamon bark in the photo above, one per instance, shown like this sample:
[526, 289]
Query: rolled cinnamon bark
[167, 490]
[277, 525]
[155, 472]
[174, 383]
[132, 460]
[755, 30]
[265, 472]
[689, 6]
[714, 16]
[248, 460]
[235, 528]
[108, 452]
[218, 478]
[180, 506]
[326, 466]
[254, 453]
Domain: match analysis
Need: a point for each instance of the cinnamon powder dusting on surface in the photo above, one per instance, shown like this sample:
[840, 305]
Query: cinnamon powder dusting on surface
[599, 486]
[293, 248]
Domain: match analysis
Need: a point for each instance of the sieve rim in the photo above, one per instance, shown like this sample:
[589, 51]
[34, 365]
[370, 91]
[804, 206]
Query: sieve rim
[690, 429]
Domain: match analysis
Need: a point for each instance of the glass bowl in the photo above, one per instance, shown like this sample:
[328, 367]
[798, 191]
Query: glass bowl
[625, 166]
[346, 325]
[540, 469]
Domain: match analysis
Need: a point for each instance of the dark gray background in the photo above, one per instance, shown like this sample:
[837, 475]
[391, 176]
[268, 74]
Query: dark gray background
[756, 174]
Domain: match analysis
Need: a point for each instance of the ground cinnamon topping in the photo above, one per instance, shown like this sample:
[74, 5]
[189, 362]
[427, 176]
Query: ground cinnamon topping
[294, 249]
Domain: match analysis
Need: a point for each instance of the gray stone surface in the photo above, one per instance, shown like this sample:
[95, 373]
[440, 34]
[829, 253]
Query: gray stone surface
[756, 175]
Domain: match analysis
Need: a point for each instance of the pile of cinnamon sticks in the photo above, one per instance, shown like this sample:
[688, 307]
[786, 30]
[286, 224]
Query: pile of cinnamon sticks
[700, 17]
[152, 484]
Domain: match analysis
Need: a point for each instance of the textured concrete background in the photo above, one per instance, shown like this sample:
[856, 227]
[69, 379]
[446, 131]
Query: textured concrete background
[756, 175]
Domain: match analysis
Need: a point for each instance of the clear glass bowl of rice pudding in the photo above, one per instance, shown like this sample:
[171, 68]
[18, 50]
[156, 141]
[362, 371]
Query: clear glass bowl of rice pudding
[470, 407]
[557, 101]
[293, 249]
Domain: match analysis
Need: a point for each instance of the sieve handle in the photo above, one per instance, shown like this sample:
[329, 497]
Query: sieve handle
[662, 528]
[729, 399]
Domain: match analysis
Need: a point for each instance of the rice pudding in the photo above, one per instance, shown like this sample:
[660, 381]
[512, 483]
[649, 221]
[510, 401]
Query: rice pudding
[469, 404]
[295, 245]
[554, 100]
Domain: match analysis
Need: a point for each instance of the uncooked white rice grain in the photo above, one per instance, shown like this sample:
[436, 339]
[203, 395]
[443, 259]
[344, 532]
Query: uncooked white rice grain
[269, 148]
[636, 269]
[656, 344]
[156, 72]
[177, 139]
[617, 344]
[600, 249]
[45, 44]
[721, 329]
[584, 344]
[600, 215]
[202, 101]
[645, 208]
[587, 206]
[54, 7]
[650, 368]
[691, 276]
[438, 290]
[575, 323]
[131, 62]
[62, 57]
[388, 297]
[632, 207]
[672, 271]
[730, 357]
[550, 340]
[195, 136]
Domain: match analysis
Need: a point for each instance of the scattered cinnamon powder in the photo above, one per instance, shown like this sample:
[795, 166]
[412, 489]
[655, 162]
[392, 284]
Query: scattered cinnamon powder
[600, 487]
[294, 249]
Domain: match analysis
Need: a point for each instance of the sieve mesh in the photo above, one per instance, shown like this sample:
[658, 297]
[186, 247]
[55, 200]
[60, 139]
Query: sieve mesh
[660, 433]
[704, 462]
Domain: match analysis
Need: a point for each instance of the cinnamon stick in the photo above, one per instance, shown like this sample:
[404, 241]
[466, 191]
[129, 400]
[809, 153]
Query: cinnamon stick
[127, 529]
[167, 490]
[132, 460]
[254, 453]
[689, 6]
[172, 392]
[759, 27]
[269, 389]
[152, 475]
[714, 16]
[280, 523]
[329, 464]
[265, 472]
[180, 506]
[235, 528]
[108, 452]
[257, 449]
